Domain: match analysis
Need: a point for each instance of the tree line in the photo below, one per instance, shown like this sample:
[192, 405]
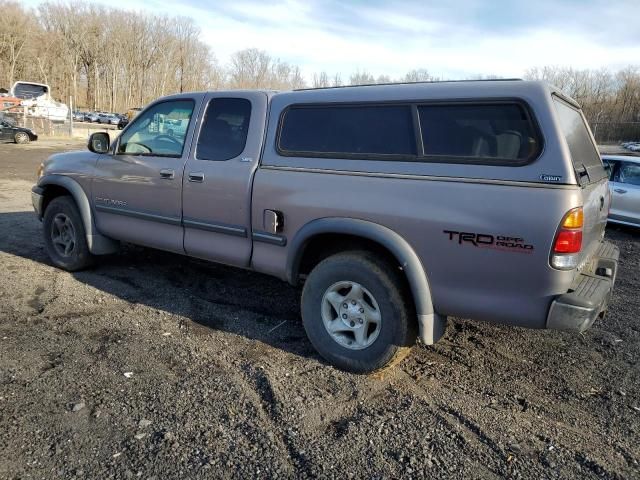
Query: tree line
[112, 59]
[610, 100]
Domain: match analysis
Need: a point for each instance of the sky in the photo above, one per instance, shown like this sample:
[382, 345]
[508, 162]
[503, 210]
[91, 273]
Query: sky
[449, 38]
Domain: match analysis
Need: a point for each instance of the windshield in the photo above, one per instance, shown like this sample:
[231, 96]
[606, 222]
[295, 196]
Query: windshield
[29, 90]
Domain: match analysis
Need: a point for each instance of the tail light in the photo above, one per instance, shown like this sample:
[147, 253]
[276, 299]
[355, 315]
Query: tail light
[568, 241]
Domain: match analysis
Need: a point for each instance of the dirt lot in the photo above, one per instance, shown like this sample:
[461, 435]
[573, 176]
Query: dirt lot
[156, 366]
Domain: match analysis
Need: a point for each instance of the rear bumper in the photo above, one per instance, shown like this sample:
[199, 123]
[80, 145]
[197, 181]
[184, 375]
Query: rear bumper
[589, 295]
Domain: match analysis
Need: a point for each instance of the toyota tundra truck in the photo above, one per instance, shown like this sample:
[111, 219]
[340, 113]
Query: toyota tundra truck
[395, 206]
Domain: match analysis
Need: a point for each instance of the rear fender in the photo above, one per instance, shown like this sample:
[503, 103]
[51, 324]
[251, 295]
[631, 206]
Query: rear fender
[432, 325]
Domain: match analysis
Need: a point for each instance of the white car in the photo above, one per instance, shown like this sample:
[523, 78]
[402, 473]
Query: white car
[624, 181]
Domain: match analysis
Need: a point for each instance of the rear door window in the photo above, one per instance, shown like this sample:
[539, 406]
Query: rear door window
[501, 133]
[348, 131]
[223, 135]
[584, 154]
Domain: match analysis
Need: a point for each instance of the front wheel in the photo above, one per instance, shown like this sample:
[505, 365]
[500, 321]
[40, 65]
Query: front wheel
[356, 313]
[21, 138]
[64, 235]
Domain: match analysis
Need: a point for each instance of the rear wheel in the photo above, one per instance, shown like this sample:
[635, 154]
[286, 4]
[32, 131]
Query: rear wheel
[356, 313]
[21, 137]
[64, 235]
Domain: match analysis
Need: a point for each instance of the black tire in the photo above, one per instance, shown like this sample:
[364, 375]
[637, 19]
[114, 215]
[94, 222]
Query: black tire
[78, 257]
[22, 138]
[398, 327]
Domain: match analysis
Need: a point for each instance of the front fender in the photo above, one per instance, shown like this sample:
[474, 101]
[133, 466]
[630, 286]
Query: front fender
[98, 244]
[431, 324]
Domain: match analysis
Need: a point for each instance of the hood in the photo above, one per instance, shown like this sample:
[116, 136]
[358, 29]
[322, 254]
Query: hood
[71, 163]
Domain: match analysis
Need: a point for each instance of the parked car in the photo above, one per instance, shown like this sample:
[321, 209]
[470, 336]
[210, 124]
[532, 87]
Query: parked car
[10, 131]
[91, 117]
[108, 118]
[78, 116]
[395, 205]
[123, 122]
[624, 179]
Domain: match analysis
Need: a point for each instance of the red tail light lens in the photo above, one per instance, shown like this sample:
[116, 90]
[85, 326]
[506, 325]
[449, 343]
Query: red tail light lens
[568, 241]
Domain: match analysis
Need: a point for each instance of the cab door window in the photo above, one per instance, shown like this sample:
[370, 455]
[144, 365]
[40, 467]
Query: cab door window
[223, 135]
[158, 131]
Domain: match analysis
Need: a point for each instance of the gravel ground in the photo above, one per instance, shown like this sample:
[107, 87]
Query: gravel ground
[157, 366]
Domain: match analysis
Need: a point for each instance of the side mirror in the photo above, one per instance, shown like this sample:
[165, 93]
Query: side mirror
[99, 142]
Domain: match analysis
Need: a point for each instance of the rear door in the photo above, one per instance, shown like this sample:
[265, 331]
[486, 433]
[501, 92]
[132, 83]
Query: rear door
[218, 177]
[626, 193]
[590, 173]
[137, 190]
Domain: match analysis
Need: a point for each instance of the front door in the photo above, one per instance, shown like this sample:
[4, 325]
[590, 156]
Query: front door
[137, 189]
[218, 177]
[625, 205]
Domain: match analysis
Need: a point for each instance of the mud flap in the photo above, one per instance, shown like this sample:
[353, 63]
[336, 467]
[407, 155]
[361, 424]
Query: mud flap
[432, 327]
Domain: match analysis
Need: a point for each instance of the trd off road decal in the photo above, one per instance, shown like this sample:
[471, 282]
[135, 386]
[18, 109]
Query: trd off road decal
[110, 202]
[485, 240]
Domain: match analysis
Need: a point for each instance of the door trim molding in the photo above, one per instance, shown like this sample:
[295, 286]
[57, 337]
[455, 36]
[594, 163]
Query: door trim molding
[138, 214]
[266, 237]
[235, 230]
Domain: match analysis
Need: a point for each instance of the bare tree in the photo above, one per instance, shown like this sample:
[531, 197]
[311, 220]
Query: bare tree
[320, 80]
[15, 29]
[418, 75]
[361, 78]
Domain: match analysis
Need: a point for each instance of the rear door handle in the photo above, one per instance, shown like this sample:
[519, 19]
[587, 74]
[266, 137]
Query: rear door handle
[196, 177]
[167, 173]
[619, 190]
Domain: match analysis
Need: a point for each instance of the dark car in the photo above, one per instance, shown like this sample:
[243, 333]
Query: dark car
[124, 121]
[9, 131]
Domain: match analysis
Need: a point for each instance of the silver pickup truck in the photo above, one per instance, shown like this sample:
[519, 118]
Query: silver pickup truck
[395, 205]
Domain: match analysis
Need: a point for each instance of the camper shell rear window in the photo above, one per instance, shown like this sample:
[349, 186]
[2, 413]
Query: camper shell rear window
[584, 153]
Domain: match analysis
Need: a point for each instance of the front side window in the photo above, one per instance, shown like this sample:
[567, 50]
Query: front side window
[628, 173]
[348, 130]
[500, 132]
[159, 131]
[224, 129]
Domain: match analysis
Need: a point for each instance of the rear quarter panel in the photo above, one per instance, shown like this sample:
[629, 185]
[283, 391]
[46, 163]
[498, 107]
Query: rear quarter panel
[511, 286]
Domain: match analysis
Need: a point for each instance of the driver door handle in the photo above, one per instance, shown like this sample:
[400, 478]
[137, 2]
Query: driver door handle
[196, 177]
[619, 190]
[167, 173]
